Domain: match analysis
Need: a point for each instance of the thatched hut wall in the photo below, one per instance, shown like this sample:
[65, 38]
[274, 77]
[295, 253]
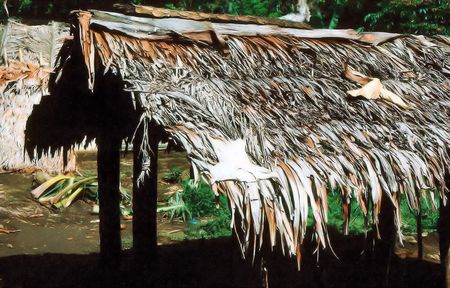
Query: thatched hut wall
[276, 117]
[27, 57]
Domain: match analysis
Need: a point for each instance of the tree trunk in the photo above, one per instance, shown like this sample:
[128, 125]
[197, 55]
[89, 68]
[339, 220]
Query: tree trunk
[108, 159]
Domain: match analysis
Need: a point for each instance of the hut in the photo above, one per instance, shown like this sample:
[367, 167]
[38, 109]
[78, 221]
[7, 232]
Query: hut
[271, 113]
[28, 54]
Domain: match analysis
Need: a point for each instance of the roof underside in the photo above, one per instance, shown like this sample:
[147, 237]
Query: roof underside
[275, 117]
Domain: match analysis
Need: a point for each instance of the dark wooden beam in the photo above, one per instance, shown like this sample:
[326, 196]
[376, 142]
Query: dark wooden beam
[419, 227]
[145, 196]
[108, 161]
[388, 234]
[444, 236]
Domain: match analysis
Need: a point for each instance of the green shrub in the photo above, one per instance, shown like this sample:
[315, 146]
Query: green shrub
[173, 176]
[201, 201]
[176, 208]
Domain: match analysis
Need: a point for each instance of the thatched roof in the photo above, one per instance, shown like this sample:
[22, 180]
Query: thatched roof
[25, 66]
[275, 117]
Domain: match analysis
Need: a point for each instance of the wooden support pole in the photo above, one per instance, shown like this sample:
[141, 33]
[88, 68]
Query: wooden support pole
[108, 166]
[388, 233]
[444, 236]
[145, 197]
[419, 228]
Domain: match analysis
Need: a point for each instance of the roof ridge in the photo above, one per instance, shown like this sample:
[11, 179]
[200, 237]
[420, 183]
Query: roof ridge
[154, 12]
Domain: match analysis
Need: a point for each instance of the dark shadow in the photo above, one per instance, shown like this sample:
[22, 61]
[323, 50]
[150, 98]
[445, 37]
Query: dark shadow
[215, 263]
[352, 268]
[72, 112]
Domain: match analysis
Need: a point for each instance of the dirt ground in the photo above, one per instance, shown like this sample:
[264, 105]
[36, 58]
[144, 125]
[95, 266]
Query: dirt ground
[59, 249]
[73, 230]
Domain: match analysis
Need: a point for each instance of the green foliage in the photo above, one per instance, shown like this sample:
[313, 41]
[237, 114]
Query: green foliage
[173, 176]
[413, 16]
[176, 207]
[264, 8]
[219, 227]
[429, 215]
[24, 5]
[173, 7]
[338, 13]
[357, 225]
[200, 199]
[335, 215]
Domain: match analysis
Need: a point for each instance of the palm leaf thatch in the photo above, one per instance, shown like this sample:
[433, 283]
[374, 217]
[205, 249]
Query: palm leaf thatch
[26, 63]
[274, 117]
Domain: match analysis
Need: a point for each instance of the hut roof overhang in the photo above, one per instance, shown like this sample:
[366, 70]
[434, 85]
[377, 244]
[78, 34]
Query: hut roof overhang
[275, 117]
[28, 54]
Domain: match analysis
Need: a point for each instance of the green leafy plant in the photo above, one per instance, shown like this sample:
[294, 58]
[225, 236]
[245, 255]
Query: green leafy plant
[173, 176]
[202, 203]
[199, 201]
[219, 227]
[176, 207]
[413, 16]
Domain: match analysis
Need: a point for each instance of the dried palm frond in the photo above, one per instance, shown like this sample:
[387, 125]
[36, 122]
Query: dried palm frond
[28, 53]
[60, 191]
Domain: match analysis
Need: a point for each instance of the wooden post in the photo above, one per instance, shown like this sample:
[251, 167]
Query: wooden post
[419, 228]
[145, 197]
[108, 169]
[388, 234]
[444, 236]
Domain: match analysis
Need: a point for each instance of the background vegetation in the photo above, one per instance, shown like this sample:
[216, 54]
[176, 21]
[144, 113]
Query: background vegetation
[210, 217]
[427, 17]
